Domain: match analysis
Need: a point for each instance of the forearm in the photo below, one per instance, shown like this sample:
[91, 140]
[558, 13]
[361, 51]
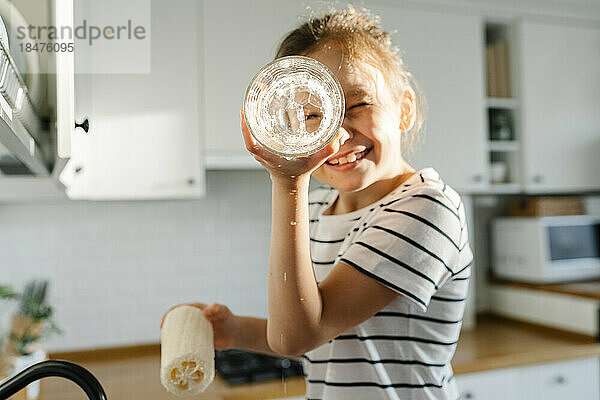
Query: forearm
[252, 335]
[295, 303]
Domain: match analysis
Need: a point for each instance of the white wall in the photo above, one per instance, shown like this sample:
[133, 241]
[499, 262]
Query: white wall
[115, 267]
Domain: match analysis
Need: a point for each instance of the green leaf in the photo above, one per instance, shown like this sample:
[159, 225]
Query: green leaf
[7, 292]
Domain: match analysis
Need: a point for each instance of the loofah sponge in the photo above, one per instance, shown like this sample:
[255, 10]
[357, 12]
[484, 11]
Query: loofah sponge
[187, 362]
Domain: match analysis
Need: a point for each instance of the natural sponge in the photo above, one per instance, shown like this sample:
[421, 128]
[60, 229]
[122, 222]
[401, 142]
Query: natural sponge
[187, 361]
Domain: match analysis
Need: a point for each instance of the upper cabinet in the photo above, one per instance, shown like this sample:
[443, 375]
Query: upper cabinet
[143, 107]
[148, 133]
[444, 52]
[240, 37]
[560, 92]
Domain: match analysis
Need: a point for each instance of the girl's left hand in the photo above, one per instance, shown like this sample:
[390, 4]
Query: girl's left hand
[280, 167]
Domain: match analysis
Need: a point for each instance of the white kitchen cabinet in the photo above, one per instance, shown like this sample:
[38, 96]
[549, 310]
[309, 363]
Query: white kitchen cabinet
[144, 139]
[573, 379]
[240, 37]
[578, 379]
[560, 91]
[444, 51]
[489, 385]
[446, 57]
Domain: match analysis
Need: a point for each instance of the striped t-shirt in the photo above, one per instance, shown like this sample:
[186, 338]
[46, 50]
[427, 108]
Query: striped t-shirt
[414, 241]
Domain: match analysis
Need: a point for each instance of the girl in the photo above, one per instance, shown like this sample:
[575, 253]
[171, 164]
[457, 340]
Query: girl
[368, 274]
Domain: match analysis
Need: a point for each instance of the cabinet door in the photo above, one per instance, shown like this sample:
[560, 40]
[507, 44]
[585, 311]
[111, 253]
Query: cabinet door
[144, 136]
[240, 37]
[491, 385]
[578, 379]
[445, 54]
[560, 81]
[65, 88]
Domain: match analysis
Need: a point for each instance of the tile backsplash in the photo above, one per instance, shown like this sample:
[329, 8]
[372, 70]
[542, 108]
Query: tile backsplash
[115, 267]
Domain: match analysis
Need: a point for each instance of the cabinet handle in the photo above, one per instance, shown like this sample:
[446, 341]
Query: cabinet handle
[538, 178]
[468, 395]
[85, 125]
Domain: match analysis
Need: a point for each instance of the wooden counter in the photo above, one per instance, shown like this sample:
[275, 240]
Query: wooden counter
[132, 373]
[586, 289]
[499, 342]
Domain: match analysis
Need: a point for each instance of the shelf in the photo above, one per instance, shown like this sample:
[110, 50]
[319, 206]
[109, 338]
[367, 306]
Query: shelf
[503, 145]
[229, 160]
[509, 103]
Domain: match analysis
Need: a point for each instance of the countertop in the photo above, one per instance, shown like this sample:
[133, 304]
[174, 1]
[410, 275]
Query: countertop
[586, 289]
[496, 342]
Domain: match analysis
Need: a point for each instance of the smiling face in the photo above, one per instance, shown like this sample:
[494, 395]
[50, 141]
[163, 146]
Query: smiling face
[373, 119]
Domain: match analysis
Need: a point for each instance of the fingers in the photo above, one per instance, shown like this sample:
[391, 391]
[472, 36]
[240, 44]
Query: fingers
[213, 311]
[334, 146]
[259, 153]
[251, 144]
[216, 312]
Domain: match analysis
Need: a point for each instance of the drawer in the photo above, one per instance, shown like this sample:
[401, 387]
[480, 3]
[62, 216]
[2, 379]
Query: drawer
[577, 379]
[485, 385]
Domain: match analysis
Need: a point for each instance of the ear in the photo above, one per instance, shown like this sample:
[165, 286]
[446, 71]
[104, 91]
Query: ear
[408, 109]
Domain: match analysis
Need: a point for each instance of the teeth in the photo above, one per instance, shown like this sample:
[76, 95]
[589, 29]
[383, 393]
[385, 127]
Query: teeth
[350, 158]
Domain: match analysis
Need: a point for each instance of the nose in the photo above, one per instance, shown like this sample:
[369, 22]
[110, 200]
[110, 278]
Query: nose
[346, 128]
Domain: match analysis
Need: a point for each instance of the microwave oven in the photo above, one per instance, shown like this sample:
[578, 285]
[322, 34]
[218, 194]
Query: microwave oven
[546, 249]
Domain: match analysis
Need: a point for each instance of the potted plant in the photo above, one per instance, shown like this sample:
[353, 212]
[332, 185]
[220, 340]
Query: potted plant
[31, 323]
[6, 292]
[33, 320]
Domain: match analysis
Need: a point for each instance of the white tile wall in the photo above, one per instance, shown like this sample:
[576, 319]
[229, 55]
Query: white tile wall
[115, 267]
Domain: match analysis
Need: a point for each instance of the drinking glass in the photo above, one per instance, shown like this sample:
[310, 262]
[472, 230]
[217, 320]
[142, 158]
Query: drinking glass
[294, 106]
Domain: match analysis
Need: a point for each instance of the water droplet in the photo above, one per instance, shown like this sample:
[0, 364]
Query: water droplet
[301, 298]
[293, 223]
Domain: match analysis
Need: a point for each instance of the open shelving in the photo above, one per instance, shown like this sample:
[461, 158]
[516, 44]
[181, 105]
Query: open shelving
[502, 107]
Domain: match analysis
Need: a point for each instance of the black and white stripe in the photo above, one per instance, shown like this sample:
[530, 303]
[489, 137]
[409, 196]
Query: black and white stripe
[413, 241]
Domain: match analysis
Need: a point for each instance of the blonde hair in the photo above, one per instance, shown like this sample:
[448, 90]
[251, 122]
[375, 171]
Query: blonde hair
[360, 36]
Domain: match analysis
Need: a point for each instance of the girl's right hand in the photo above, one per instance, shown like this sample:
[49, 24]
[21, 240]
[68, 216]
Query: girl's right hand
[225, 324]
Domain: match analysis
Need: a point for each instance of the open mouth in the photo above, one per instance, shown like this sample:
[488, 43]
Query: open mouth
[353, 158]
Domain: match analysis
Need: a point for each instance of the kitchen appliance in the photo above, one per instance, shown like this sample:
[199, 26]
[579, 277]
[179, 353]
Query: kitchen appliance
[238, 367]
[294, 106]
[546, 249]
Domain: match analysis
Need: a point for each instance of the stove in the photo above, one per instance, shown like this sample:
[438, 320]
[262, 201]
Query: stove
[238, 367]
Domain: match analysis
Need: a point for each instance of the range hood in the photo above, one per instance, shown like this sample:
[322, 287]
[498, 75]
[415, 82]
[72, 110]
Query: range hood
[20, 140]
[33, 143]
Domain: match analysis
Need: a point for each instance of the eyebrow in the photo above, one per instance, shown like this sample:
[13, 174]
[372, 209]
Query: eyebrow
[358, 92]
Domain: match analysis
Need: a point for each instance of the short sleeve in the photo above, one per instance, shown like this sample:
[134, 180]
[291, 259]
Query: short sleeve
[410, 244]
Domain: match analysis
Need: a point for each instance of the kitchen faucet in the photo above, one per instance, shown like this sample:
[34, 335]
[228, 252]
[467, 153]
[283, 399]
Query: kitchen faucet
[63, 369]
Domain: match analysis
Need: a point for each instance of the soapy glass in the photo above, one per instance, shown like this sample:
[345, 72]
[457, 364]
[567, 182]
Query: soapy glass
[294, 106]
